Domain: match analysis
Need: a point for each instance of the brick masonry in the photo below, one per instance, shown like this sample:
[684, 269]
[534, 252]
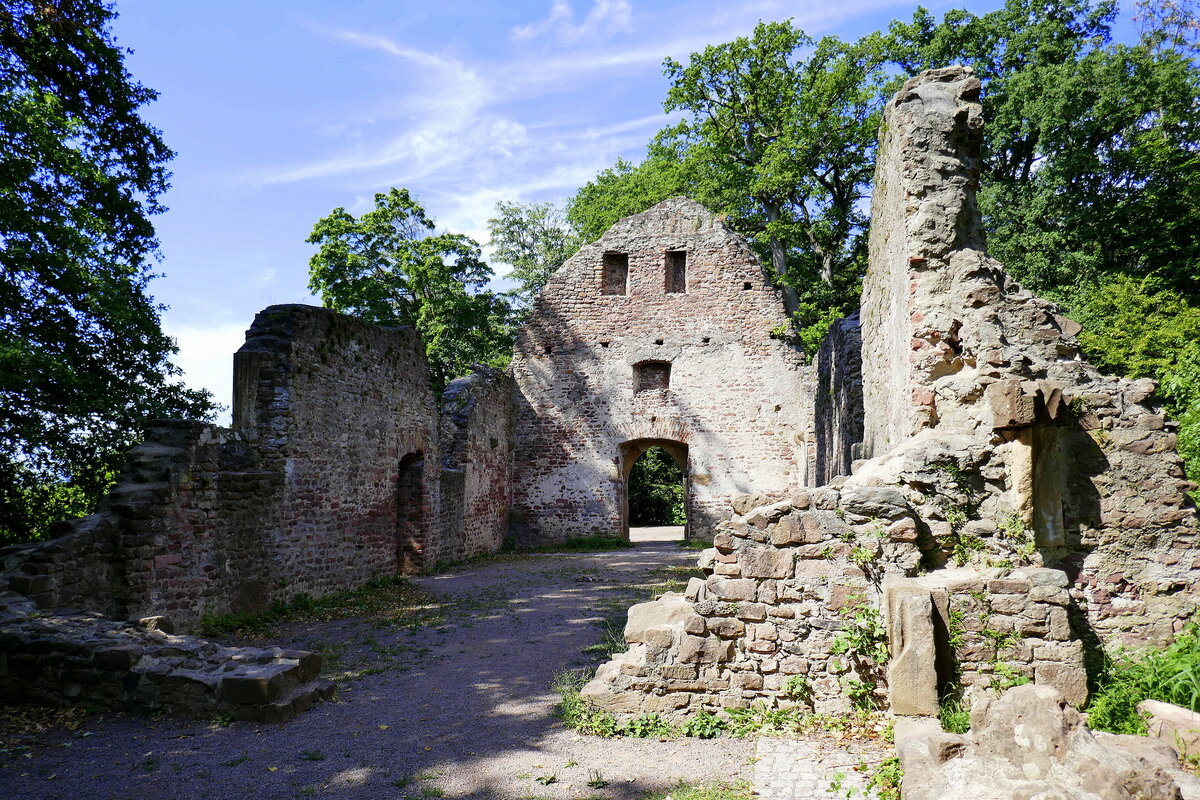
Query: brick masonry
[733, 410]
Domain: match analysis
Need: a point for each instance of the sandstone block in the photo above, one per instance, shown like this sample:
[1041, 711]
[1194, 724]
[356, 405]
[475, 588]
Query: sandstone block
[1177, 726]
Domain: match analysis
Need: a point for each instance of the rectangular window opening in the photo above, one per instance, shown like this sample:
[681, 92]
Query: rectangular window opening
[615, 278]
[676, 279]
[651, 375]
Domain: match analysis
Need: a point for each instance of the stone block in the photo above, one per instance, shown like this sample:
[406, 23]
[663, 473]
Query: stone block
[765, 562]
[1177, 726]
[733, 589]
[704, 650]
[912, 676]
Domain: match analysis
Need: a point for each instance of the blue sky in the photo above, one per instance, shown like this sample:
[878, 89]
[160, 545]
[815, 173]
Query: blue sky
[281, 110]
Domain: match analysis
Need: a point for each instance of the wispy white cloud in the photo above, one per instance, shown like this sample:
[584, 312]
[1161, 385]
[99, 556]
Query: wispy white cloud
[605, 18]
[206, 357]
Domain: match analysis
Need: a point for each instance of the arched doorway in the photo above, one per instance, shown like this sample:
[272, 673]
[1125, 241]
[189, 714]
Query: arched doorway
[654, 475]
[410, 513]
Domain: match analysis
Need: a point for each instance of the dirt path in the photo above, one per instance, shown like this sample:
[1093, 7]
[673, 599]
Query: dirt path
[462, 708]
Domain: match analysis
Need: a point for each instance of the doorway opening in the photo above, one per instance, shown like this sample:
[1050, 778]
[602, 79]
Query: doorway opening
[656, 490]
[410, 513]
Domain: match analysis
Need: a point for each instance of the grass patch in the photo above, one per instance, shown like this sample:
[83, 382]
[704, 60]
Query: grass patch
[579, 544]
[390, 599]
[693, 544]
[955, 716]
[1171, 675]
[740, 790]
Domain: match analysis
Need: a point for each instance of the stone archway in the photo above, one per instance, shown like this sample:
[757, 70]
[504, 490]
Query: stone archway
[634, 449]
[411, 513]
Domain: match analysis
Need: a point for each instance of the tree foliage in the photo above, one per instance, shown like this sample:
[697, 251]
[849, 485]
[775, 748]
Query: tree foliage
[391, 267]
[83, 359]
[656, 490]
[624, 189]
[534, 239]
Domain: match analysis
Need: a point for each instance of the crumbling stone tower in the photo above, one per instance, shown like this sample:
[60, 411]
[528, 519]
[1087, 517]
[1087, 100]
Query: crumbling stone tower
[660, 333]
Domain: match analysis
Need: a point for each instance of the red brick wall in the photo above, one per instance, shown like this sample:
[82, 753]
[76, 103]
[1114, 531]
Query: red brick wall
[735, 396]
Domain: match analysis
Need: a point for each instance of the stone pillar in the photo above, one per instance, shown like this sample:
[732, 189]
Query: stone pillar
[912, 668]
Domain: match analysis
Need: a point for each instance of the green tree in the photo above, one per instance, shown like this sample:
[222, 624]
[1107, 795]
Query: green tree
[534, 239]
[83, 359]
[781, 130]
[391, 267]
[656, 490]
[778, 135]
[624, 189]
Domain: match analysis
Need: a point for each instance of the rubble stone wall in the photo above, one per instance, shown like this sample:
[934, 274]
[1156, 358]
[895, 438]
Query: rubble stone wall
[994, 449]
[476, 443]
[300, 496]
[81, 657]
[734, 397]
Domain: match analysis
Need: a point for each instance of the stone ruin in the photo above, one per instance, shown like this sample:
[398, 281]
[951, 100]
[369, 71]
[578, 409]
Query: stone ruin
[945, 466]
[1009, 509]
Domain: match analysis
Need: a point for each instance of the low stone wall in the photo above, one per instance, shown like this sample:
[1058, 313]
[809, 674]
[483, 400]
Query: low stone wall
[74, 658]
[792, 612]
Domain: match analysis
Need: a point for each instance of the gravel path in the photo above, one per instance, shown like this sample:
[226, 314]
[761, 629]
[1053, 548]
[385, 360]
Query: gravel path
[461, 709]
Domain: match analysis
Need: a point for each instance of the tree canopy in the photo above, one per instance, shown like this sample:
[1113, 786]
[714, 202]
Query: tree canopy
[83, 359]
[390, 266]
[535, 240]
[1090, 180]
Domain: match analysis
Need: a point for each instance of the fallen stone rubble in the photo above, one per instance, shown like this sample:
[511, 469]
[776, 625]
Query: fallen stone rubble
[70, 657]
[1030, 743]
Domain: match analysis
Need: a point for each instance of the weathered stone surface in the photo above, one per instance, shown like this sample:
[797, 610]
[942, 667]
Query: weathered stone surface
[1174, 725]
[1028, 743]
[912, 673]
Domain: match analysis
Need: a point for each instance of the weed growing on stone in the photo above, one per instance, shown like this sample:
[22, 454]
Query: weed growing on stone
[703, 725]
[596, 779]
[954, 715]
[647, 726]
[1171, 675]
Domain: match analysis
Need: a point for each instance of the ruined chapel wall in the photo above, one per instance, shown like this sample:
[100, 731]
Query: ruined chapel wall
[734, 395]
[475, 433]
[335, 404]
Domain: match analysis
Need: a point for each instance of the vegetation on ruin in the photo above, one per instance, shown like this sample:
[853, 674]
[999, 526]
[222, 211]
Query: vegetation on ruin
[656, 490]
[83, 359]
[391, 599]
[1170, 674]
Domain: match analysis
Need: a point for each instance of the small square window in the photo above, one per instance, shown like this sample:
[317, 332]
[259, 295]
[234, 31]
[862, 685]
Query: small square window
[651, 375]
[615, 277]
[676, 277]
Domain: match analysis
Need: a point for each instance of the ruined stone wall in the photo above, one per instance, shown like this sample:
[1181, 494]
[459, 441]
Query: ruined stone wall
[1041, 448]
[336, 404]
[1042, 500]
[476, 444]
[837, 402]
[790, 613]
[734, 394]
[301, 495]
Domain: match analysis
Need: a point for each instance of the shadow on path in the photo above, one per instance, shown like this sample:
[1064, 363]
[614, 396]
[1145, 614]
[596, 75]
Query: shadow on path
[464, 709]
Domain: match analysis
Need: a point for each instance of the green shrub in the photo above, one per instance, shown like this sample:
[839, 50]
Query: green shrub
[1171, 675]
[703, 725]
